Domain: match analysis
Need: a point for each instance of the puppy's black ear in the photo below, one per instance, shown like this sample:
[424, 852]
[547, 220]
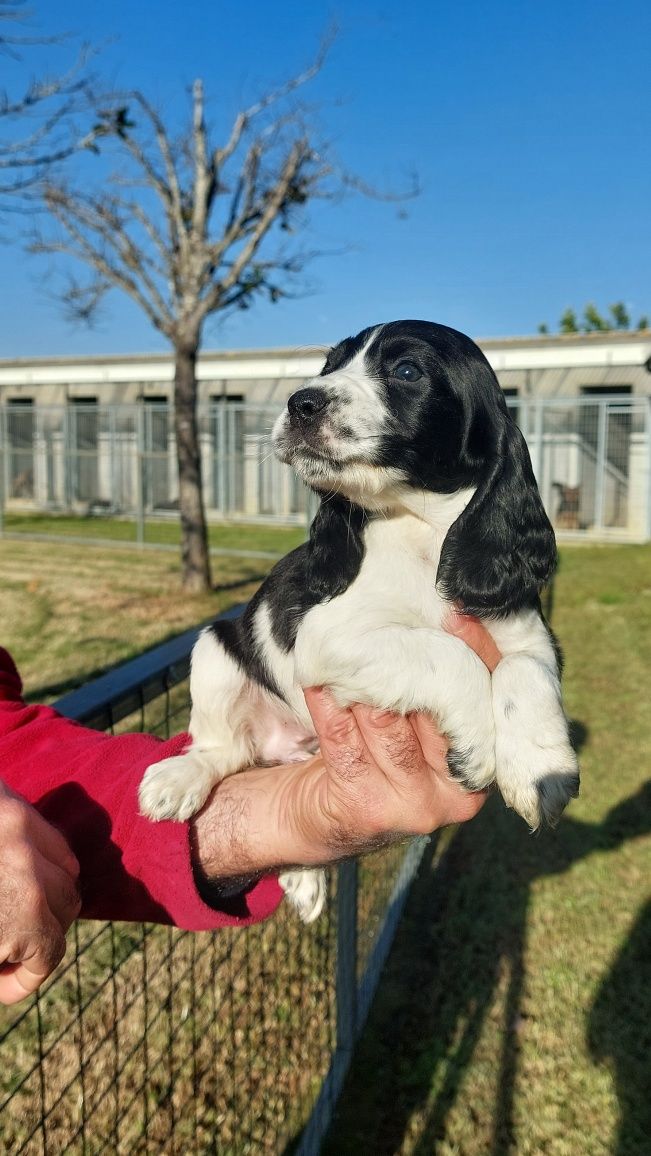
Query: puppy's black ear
[336, 548]
[501, 550]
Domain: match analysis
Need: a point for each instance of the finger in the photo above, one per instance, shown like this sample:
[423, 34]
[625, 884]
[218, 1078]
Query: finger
[61, 891]
[424, 791]
[24, 976]
[475, 635]
[457, 803]
[340, 741]
[433, 744]
[52, 844]
[390, 740]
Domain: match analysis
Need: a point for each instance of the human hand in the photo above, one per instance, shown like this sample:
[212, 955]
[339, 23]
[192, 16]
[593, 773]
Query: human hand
[38, 897]
[378, 777]
[384, 776]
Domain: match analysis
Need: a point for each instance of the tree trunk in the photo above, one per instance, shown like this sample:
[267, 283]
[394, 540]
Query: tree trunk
[195, 558]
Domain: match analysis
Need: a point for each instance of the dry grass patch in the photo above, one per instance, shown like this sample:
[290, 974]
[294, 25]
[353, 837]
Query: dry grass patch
[68, 612]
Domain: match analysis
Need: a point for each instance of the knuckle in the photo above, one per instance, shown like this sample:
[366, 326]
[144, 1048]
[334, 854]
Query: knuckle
[71, 899]
[33, 899]
[425, 820]
[379, 719]
[14, 818]
[18, 860]
[340, 728]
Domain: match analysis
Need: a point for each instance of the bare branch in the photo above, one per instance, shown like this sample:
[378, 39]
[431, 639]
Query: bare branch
[172, 191]
[55, 100]
[124, 270]
[275, 198]
[356, 184]
[204, 175]
[243, 119]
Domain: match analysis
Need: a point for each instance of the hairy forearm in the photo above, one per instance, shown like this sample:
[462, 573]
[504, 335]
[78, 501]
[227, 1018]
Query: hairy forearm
[269, 819]
[250, 826]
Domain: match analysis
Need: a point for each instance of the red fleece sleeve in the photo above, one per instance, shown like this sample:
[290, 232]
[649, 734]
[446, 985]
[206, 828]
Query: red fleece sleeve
[85, 783]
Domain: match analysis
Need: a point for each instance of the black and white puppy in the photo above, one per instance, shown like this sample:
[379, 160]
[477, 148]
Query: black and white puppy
[428, 500]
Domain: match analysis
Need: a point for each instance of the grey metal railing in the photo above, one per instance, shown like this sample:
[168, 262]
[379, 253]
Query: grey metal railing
[151, 1039]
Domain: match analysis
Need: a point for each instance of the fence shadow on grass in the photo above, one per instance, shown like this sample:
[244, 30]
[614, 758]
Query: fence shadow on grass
[463, 935]
[619, 1032]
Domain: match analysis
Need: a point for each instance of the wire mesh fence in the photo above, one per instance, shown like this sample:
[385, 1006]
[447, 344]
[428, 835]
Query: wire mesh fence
[592, 459]
[120, 460]
[591, 455]
[154, 1040]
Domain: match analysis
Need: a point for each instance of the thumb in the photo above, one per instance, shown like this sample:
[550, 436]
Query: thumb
[24, 977]
[475, 635]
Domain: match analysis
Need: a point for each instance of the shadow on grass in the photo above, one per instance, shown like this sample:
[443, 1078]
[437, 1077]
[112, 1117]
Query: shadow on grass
[463, 934]
[619, 1033]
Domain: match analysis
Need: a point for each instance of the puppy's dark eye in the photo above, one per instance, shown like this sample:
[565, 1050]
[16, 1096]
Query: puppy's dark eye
[407, 371]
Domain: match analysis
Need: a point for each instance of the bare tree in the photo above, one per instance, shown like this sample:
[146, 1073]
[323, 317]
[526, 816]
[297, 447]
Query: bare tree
[39, 124]
[184, 228]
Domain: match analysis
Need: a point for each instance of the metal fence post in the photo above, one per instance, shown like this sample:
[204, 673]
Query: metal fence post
[140, 474]
[647, 432]
[539, 428]
[222, 485]
[600, 470]
[346, 986]
[3, 455]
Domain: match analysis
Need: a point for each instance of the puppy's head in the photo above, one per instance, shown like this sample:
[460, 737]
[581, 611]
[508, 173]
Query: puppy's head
[413, 406]
[407, 404]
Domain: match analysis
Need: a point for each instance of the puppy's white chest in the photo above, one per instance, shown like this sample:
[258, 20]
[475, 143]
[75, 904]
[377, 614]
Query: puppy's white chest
[396, 586]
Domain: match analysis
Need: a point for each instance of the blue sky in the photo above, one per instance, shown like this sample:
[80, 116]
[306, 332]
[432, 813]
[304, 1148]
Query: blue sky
[528, 124]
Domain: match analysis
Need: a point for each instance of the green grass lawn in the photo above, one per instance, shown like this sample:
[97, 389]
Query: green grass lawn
[514, 1016]
[222, 536]
[515, 1013]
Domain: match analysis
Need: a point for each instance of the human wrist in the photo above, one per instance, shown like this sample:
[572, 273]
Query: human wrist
[253, 824]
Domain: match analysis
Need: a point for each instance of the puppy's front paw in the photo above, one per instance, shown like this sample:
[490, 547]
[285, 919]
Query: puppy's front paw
[306, 891]
[537, 781]
[175, 788]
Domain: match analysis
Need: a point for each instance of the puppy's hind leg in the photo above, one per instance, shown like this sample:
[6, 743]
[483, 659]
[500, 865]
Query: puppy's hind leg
[221, 743]
[306, 891]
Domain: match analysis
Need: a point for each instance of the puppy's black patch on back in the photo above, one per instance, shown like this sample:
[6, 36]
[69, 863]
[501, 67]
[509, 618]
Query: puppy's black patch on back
[237, 637]
[316, 571]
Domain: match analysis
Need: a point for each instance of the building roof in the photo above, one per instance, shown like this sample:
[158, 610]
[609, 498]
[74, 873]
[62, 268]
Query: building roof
[543, 351]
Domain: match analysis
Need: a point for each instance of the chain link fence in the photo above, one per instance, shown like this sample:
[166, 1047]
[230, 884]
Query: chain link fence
[152, 1040]
[591, 455]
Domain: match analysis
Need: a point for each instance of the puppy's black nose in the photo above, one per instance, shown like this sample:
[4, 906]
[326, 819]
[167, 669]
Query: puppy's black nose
[306, 405]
